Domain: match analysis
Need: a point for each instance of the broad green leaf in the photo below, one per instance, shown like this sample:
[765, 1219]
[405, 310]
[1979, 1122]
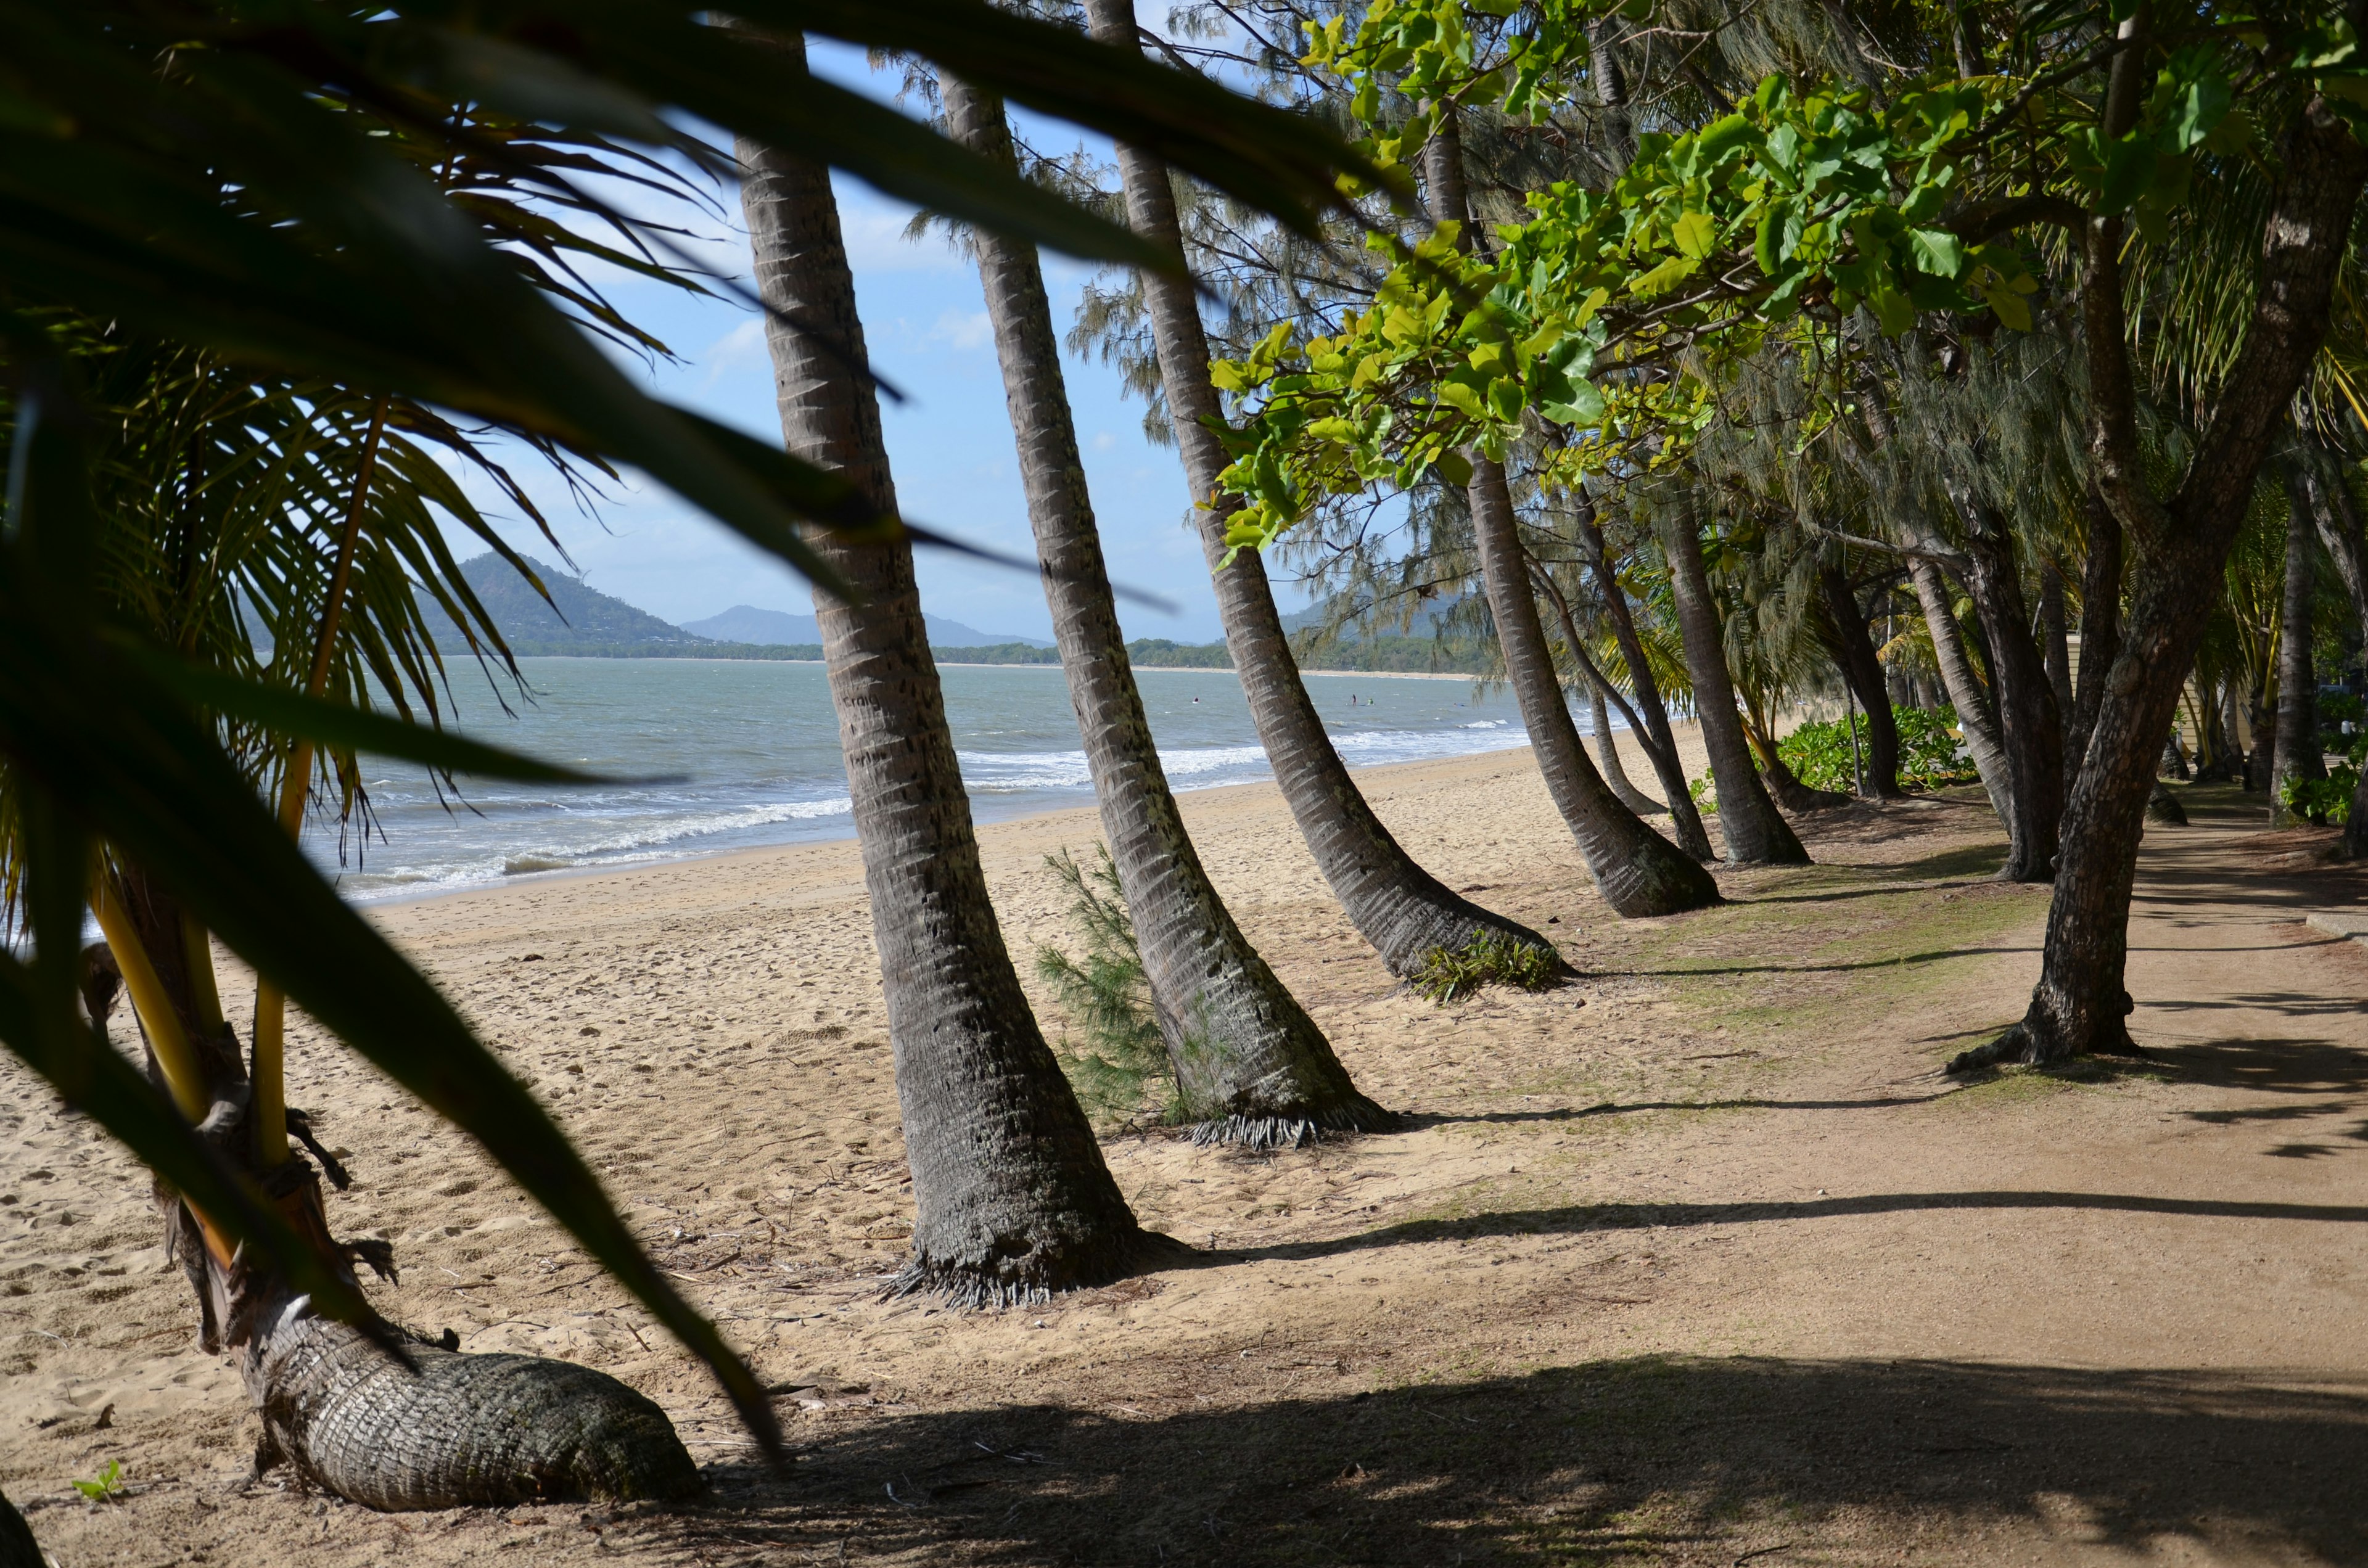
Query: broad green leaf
[1695, 235]
[1938, 252]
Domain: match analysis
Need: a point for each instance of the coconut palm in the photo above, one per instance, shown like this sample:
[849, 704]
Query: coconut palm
[377, 209]
[1405, 912]
[1250, 1065]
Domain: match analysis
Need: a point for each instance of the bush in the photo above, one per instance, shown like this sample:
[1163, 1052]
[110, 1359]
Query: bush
[2329, 799]
[1487, 959]
[1121, 1070]
[1931, 751]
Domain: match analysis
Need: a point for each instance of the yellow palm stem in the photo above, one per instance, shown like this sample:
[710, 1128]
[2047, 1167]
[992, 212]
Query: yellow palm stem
[271, 1055]
[183, 1077]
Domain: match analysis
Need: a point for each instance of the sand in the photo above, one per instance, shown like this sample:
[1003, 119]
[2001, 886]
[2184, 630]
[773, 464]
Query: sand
[1699, 1260]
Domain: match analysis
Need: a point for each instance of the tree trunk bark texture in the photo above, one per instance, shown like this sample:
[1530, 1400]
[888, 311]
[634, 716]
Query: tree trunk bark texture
[2100, 630]
[2056, 649]
[2031, 729]
[1402, 910]
[1615, 771]
[1964, 688]
[1638, 872]
[2079, 1003]
[1013, 1200]
[1756, 833]
[2295, 740]
[456, 1430]
[448, 1431]
[1854, 656]
[1692, 837]
[1250, 1065]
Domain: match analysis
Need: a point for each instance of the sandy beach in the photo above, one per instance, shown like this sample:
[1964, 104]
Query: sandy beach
[1722, 1168]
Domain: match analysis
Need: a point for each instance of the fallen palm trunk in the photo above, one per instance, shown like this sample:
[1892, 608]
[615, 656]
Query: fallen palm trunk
[452, 1430]
[356, 1410]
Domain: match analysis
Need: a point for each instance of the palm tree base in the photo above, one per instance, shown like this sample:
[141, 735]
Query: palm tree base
[1353, 1114]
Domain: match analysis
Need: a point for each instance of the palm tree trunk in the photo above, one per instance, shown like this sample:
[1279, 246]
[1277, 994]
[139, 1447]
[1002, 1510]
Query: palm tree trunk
[2056, 649]
[2030, 729]
[1964, 688]
[2100, 630]
[1400, 908]
[1250, 1065]
[2297, 753]
[1756, 833]
[1615, 771]
[2338, 516]
[1638, 872]
[1012, 1198]
[2079, 1003]
[452, 1430]
[1854, 655]
[1692, 837]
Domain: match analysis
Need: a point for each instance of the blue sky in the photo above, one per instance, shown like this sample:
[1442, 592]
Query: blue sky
[951, 441]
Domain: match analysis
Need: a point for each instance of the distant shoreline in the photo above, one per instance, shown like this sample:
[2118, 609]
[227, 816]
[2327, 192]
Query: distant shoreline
[1053, 665]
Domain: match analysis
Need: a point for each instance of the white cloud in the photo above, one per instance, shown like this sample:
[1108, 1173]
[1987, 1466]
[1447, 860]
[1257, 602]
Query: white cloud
[963, 330]
[1104, 442]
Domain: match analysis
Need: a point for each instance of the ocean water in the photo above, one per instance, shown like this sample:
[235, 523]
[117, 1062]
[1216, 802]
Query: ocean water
[750, 753]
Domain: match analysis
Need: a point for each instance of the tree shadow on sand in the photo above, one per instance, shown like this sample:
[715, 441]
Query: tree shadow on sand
[1645, 1461]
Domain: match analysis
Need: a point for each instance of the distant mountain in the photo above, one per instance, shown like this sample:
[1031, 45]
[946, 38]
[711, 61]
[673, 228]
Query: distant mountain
[584, 618]
[1425, 622]
[762, 628]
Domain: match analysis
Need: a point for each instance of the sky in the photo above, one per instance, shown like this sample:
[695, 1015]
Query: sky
[925, 320]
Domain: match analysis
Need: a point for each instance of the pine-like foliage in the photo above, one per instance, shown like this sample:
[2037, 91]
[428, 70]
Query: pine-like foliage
[1118, 1063]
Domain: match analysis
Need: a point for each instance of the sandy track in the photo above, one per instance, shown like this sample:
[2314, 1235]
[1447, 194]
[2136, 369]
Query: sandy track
[1696, 1258]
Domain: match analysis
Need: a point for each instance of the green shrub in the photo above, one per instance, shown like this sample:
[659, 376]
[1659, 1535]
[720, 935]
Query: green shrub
[1931, 751]
[1488, 959]
[1119, 1069]
[2329, 799]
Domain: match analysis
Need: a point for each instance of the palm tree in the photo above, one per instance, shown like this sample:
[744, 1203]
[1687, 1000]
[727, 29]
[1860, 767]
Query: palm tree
[1405, 912]
[377, 208]
[1250, 1065]
[1637, 872]
[1756, 833]
[1012, 1198]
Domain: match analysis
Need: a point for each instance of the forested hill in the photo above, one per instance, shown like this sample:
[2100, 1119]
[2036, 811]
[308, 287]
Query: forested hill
[587, 623]
[594, 622]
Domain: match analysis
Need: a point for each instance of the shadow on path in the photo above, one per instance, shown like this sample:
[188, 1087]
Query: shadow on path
[1645, 1461]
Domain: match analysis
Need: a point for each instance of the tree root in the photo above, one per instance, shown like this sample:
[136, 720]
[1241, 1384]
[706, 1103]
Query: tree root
[1355, 1114]
[2162, 806]
[458, 1430]
[997, 1283]
[17, 1548]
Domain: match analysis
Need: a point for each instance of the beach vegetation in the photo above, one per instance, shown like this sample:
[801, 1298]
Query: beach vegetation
[265, 285]
[1116, 1059]
[1450, 975]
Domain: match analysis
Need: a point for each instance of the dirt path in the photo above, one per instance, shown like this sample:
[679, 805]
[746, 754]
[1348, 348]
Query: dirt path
[1699, 1262]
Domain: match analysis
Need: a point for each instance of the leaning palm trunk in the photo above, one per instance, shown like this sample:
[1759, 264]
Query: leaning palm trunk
[2338, 515]
[1855, 657]
[1250, 1066]
[1401, 909]
[2079, 1003]
[2295, 739]
[1013, 1200]
[2031, 727]
[1659, 741]
[1756, 833]
[443, 1431]
[1637, 870]
[1615, 771]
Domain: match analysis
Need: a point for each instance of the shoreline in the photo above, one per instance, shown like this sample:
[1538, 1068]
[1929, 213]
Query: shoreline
[1052, 666]
[1019, 821]
[1217, 796]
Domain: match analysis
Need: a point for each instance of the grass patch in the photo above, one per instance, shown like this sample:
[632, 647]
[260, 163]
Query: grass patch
[1118, 1063]
[1447, 975]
